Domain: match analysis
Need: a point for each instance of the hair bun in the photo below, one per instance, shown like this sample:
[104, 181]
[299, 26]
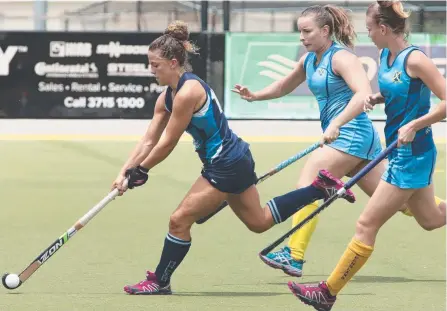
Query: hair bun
[178, 30]
[396, 6]
[385, 4]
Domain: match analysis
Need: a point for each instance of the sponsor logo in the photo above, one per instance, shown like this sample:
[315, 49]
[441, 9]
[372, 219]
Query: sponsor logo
[50, 251]
[57, 70]
[128, 70]
[116, 49]
[70, 49]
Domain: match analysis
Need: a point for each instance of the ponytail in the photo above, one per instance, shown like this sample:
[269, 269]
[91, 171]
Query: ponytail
[343, 29]
[391, 14]
[338, 21]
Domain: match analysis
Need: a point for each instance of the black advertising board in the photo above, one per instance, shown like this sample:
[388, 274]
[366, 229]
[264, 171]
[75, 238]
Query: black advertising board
[80, 75]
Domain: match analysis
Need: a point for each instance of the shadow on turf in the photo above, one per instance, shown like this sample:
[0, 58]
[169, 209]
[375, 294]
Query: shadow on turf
[357, 279]
[389, 279]
[186, 294]
[230, 294]
[371, 279]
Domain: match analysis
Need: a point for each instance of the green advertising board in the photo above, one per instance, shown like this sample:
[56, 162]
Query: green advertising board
[256, 60]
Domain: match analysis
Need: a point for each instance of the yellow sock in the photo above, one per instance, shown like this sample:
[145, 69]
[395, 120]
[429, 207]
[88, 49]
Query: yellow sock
[299, 241]
[438, 200]
[352, 260]
[409, 213]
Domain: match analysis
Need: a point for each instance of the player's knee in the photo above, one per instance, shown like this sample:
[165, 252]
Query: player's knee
[432, 222]
[364, 227]
[257, 227]
[428, 226]
[178, 223]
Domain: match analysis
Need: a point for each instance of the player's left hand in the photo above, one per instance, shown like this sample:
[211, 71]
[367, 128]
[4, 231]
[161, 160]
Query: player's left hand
[406, 134]
[136, 176]
[331, 134]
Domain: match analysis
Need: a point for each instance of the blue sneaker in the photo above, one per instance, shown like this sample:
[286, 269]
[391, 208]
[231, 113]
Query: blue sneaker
[284, 261]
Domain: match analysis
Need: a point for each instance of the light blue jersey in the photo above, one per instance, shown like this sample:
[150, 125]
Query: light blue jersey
[358, 137]
[406, 99]
[214, 141]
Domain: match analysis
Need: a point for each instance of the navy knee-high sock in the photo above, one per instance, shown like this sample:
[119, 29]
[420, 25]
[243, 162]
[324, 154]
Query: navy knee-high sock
[284, 206]
[174, 251]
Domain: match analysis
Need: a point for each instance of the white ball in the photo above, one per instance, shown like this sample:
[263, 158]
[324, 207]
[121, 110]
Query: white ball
[12, 280]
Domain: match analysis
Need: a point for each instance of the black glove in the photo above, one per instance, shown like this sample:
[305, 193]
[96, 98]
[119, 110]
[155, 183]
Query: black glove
[136, 176]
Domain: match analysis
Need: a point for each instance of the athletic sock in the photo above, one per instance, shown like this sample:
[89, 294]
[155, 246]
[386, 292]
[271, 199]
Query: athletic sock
[438, 201]
[174, 251]
[350, 263]
[300, 239]
[284, 206]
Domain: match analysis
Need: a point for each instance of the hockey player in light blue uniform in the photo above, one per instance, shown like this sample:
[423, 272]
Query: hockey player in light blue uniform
[406, 78]
[358, 137]
[407, 98]
[337, 79]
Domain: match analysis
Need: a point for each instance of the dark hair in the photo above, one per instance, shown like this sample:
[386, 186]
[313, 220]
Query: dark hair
[392, 14]
[174, 44]
[338, 21]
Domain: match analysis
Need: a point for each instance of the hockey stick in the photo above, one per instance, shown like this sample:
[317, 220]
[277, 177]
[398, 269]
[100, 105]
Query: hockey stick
[56, 245]
[334, 197]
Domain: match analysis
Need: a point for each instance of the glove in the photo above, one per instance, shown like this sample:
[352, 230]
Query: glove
[136, 176]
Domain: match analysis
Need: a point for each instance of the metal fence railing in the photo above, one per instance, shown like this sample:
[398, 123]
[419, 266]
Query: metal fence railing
[242, 16]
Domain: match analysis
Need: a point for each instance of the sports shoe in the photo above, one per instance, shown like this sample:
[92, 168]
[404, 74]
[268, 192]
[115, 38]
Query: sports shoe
[315, 295]
[150, 286]
[330, 185]
[284, 261]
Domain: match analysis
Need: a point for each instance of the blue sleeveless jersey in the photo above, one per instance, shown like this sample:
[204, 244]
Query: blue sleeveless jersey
[406, 99]
[214, 141]
[358, 137]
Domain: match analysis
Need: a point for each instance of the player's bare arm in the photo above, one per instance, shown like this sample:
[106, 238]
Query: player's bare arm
[279, 88]
[371, 100]
[420, 66]
[151, 137]
[185, 103]
[146, 143]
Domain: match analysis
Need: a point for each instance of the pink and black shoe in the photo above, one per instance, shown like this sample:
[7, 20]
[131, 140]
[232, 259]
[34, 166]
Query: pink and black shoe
[150, 286]
[330, 185]
[315, 295]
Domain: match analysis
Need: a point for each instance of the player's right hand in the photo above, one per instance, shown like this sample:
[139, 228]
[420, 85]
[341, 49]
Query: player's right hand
[371, 100]
[330, 134]
[244, 93]
[136, 176]
[119, 184]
